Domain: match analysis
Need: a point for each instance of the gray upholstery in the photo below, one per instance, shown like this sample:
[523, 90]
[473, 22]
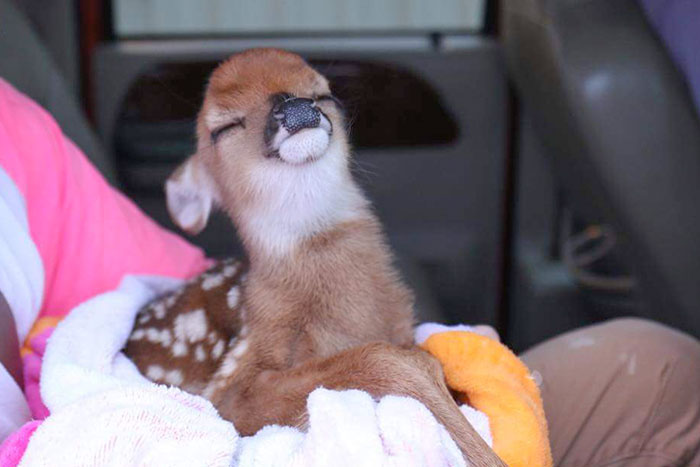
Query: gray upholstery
[55, 22]
[29, 67]
[618, 123]
[426, 304]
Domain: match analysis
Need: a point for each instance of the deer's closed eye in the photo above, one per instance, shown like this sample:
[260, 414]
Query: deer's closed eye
[216, 134]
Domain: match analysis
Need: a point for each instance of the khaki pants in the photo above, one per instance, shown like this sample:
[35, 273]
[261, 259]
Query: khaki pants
[626, 392]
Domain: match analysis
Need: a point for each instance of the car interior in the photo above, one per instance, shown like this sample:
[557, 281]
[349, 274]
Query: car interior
[534, 162]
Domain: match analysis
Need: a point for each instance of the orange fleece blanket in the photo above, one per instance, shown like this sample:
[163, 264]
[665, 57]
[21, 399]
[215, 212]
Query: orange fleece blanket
[490, 378]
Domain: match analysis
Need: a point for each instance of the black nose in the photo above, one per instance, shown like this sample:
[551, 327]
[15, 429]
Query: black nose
[297, 113]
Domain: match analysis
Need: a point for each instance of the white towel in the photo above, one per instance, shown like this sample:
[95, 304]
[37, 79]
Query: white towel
[103, 412]
[22, 285]
[21, 269]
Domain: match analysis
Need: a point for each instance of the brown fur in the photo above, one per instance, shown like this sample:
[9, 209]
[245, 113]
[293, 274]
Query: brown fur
[329, 311]
[224, 324]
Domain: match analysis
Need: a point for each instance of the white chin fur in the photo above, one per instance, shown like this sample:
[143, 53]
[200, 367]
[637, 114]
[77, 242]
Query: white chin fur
[305, 146]
[294, 201]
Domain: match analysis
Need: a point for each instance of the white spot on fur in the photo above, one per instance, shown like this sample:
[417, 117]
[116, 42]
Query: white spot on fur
[179, 349]
[226, 369]
[137, 335]
[228, 366]
[211, 337]
[199, 353]
[153, 335]
[240, 348]
[212, 280]
[144, 318]
[244, 330]
[192, 326]
[218, 350]
[155, 372]
[173, 377]
[159, 310]
[232, 297]
[230, 271]
[170, 301]
[162, 336]
[166, 338]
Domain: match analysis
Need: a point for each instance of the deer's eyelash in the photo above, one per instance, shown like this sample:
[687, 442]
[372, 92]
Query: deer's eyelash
[239, 122]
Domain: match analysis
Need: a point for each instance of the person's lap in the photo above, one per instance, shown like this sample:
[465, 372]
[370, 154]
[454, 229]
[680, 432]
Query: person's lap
[624, 392]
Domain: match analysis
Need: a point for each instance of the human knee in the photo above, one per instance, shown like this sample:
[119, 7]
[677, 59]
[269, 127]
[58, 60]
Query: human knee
[648, 350]
[657, 339]
[632, 377]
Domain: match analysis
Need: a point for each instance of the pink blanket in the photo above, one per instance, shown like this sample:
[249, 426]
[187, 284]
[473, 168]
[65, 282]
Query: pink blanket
[88, 235]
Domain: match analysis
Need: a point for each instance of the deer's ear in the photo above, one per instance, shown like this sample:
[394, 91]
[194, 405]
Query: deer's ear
[190, 196]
